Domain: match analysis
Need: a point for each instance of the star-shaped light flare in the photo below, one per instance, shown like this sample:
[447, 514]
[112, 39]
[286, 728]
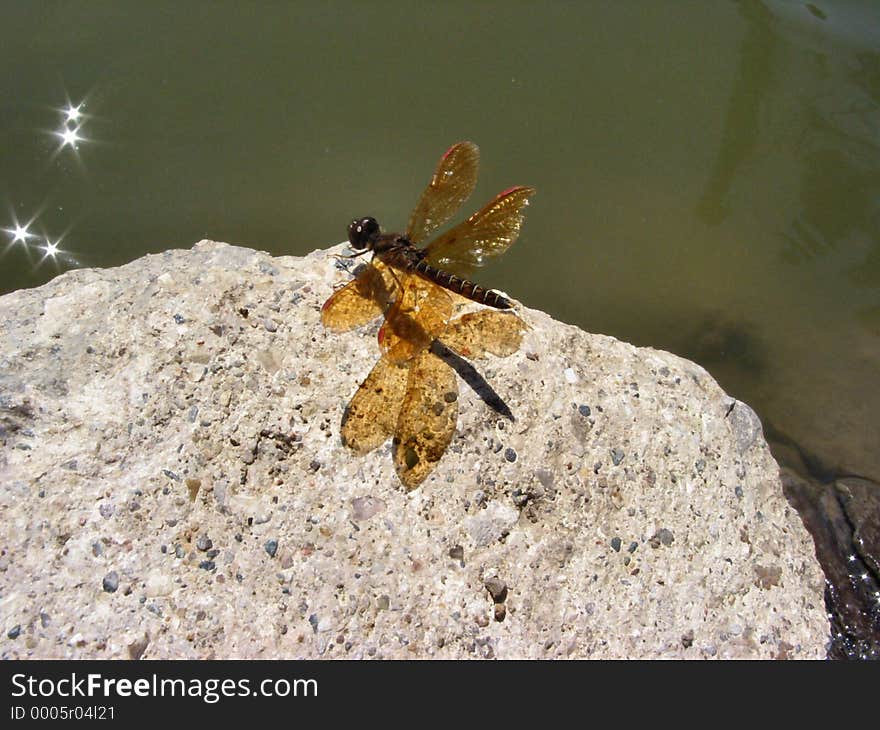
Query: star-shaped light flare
[69, 137]
[73, 113]
[20, 233]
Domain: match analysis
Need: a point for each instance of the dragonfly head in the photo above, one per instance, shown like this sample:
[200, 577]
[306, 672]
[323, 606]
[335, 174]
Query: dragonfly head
[362, 232]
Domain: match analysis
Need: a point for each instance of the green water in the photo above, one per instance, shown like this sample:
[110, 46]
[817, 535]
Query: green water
[708, 172]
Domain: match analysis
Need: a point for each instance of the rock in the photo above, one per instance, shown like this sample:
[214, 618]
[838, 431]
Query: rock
[843, 518]
[378, 571]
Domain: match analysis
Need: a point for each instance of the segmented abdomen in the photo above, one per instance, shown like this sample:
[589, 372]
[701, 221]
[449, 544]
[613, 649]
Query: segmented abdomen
[463, 287]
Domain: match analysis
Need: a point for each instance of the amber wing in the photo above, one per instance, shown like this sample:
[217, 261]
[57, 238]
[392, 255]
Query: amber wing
[371, 416]
[488, 232]
[427, 418]
[361, 300]
[452, 183]
[418, 317]
[486, 332]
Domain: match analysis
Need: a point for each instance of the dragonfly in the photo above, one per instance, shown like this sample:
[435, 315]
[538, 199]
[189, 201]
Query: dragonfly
[411, 394]
[416, 288]
[416, 401]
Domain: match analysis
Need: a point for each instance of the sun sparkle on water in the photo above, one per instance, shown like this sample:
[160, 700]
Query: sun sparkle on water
[73, 113]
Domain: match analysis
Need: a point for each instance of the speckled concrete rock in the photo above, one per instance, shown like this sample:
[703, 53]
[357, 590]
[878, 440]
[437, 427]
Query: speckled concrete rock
[173, 485]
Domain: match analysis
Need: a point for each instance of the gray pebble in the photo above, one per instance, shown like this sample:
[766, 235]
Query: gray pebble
[584, 411]
[510, 454]
[665, 536]
[204, 543]
[14, 632]
[270, 325]
[456, 552]
[111, 582]
[497, 589]
[106, 510]
[207, 565]
[617, 456]
[615, 544]
[271, 547]
[633, 546]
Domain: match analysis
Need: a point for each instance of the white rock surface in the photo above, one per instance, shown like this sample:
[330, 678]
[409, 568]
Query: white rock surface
[176, 420]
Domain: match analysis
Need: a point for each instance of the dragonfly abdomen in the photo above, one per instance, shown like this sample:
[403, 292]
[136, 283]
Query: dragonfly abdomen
[465, 288]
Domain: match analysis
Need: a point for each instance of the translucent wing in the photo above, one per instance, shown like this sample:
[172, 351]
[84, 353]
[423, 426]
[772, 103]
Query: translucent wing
[488, 232]
[415, 320]
[453, 182]
[427, 419]
[372, 414]
[487, 332]
[361, 300]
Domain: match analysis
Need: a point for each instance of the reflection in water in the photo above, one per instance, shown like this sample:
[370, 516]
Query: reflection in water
[20, 233]
[42, 249]
[810, 390]
[718, 340]
[740, 134]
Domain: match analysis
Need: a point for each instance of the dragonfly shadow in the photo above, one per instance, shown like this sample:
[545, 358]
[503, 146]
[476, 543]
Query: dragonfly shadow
[472, 377]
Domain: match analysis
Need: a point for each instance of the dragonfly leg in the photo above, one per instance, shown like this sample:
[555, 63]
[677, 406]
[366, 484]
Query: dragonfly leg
[343, 257]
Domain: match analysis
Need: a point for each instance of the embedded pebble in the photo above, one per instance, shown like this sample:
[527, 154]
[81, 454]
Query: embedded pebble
[271, 547]
[111, 582]
[362, 508]
[497, 589]
[204, 543]
[617, 456]
[615, 544]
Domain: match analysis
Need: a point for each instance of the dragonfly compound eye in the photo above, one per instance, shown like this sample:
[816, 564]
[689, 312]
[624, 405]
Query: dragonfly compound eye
[360, 231]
